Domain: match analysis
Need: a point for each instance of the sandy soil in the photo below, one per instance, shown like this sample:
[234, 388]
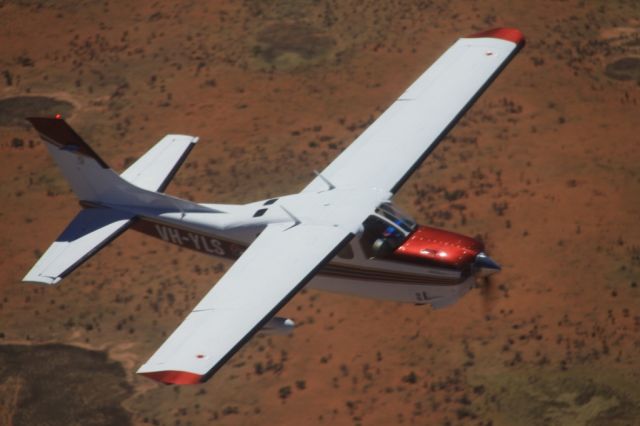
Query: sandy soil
[544, 167]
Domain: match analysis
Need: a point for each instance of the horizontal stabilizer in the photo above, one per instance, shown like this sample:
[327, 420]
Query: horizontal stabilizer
[155, 169]
[87, 233]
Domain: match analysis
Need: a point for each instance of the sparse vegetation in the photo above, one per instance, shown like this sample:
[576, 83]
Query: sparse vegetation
[542, 169]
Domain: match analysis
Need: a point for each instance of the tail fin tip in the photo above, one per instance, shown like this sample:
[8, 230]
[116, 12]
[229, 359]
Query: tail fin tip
[57, 132]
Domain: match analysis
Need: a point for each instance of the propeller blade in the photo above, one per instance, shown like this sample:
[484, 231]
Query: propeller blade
[485, 268]
[489, 292]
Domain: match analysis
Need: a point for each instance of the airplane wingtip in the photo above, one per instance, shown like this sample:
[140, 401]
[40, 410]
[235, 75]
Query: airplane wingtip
[35, 278]
[172, 377]
[509, 34]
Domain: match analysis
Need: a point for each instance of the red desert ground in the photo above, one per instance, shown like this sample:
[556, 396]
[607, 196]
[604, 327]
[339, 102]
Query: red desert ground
[544, 168]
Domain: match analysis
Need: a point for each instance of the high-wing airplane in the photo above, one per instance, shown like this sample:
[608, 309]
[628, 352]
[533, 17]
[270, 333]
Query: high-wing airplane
[340, 233]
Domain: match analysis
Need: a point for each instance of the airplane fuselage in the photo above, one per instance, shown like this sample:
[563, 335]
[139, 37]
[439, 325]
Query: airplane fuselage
[431, 267]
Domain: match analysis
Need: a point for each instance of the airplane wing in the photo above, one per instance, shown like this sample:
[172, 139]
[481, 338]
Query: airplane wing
[269, 273]
[285, 256]
[389, 150]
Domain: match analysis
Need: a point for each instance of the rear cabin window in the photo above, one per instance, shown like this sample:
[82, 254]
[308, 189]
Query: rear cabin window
[259, 212]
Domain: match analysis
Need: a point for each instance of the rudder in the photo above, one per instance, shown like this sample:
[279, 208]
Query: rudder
[89, 176]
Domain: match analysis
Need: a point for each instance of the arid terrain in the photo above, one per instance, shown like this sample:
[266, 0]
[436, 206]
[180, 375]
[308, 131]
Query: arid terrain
[544, 168]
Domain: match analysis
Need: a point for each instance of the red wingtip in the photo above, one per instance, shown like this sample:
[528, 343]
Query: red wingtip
[174, 377]
[509, 34]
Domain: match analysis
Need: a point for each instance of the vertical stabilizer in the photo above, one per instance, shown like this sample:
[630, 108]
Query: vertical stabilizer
[96, 184]
[89, 176]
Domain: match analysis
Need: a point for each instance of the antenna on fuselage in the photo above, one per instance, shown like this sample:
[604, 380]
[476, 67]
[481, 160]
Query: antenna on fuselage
[325, 180]
[292, 216]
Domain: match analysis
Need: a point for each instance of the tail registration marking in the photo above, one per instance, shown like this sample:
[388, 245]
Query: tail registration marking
[190, 240]
[199, 242]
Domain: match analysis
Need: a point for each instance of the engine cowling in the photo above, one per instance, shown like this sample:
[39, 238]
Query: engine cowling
[440, 247]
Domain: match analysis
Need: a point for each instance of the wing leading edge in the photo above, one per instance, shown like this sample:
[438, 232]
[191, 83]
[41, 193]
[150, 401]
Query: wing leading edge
[389, 150]
[269, 273]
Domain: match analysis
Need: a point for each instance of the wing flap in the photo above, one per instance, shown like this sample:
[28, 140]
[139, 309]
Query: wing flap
[271, 271]
[387, 152]
[87, 233]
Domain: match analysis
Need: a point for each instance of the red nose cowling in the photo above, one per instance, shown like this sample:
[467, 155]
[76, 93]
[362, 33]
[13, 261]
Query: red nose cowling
[440, 247]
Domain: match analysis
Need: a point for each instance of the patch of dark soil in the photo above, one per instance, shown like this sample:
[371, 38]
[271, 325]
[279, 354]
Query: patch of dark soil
[610, 406]
[13, 111]
[58, 384]
[54, 4]
[624, 69]
[297, 38]
[626, 412]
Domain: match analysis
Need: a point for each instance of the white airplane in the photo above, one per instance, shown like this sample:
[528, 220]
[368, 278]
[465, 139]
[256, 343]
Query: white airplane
[340, 233]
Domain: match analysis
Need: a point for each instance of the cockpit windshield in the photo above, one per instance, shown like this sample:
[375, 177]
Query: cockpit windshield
[396, 216]
[385, 230]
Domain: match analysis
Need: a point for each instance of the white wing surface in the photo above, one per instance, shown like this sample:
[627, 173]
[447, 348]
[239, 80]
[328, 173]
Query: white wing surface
[87, 233]
[387, 152]
[155, 169]
[286, 255]
[278, 264]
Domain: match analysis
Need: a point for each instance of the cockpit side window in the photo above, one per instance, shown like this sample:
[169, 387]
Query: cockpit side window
[385, 231]
[381, 237]
[392, 213]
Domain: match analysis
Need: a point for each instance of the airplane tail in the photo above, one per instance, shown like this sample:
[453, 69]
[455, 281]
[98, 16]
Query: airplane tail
[95, 183]
[110, 200]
